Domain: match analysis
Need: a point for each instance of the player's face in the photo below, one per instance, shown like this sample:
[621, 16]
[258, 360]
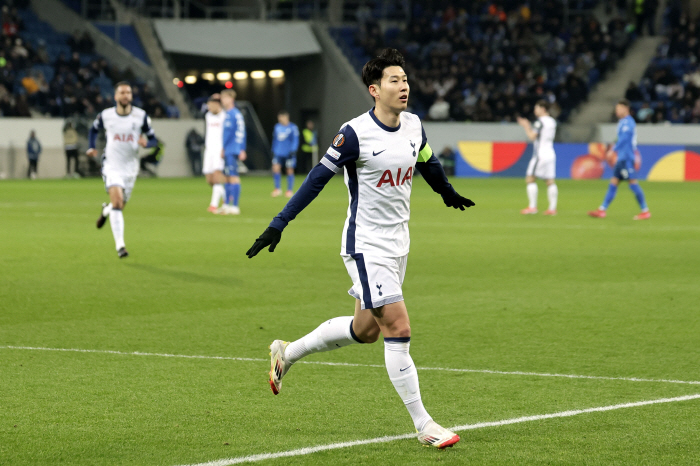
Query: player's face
[214, 106]
[621, 111]
[283, 119]
[226, 101]
[539, 111]
[394, 89]
[123, 95]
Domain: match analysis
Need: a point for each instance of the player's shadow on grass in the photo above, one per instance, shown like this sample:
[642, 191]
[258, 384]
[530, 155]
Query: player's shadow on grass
[189, 277]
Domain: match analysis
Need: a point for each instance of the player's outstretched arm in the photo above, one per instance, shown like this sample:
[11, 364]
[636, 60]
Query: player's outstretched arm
[313, 184]
[434, 175]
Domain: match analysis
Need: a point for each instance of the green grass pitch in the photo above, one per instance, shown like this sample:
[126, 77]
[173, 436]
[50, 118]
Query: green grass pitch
[486, 289]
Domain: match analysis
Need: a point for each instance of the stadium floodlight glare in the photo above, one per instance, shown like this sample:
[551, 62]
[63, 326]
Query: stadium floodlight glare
[276, 74]
[176, 81]
[257, 74]
[208, 76]
[191, 79]
[240, 75]
[223, 76]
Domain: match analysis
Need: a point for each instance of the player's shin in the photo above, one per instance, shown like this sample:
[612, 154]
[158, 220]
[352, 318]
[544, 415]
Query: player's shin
[532, 195]
[116, 221]
[639, 195]
[609, 196]
[552, 195]
[332, 334]
[404, 376]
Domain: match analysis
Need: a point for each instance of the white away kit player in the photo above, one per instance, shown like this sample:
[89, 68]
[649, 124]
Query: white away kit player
[213, 167]
[543, 162]
[378, 153]
[126, 128]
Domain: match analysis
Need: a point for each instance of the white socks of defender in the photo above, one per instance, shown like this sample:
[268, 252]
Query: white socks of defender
[552, 194]
[404, 376]
[532, 195]
[106, 209]
[116, 221]
[330, 335]
[218, 193]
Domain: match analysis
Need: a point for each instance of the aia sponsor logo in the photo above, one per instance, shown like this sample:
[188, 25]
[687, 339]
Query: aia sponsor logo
[124, 137]
[388, 177]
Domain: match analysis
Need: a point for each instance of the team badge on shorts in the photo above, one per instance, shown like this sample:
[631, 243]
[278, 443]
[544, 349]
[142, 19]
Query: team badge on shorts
[339, 140]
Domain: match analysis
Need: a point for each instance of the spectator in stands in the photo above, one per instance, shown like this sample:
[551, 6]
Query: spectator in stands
[171, 110]
[33, 152]
[633, 94]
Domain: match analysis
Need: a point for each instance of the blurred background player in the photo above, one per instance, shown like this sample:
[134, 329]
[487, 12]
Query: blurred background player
[543, 162]
[378, 152]
[309, 146]
[126, 128]
[285, 143]
[624, 167]
[213, 167]
[234, 140]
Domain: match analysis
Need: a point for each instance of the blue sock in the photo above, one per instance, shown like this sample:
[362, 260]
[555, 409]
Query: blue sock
[278, 180]
[639, 194]
[290, 182]
[228, 187]
[236, 193]
[609, 196]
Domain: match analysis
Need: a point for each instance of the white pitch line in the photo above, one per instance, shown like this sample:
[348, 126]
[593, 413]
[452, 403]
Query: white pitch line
[481, 425]
[347, 364]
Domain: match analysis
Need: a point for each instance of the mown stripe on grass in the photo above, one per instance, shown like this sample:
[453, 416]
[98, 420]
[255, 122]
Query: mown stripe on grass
[481, 425]
[325, 363]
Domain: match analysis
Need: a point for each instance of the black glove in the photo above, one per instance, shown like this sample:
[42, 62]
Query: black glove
[270, 237]
[455, 200]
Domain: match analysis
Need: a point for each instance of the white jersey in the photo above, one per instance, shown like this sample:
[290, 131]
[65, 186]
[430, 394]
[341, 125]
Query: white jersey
[379, 164]
[122, 132]
[546, 129]
[214, 135]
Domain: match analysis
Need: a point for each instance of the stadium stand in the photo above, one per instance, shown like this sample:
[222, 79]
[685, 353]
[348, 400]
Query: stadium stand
[481, 62]
[49, 73]
[670, 88]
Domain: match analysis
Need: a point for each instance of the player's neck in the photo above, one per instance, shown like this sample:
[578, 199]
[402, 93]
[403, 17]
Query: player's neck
[387, 117]
[123, 110]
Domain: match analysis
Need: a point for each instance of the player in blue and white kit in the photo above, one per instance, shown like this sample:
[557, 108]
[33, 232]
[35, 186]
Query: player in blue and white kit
[378, 153]
[624, 170]
[234, 150]
[285, 143]
[126, 128]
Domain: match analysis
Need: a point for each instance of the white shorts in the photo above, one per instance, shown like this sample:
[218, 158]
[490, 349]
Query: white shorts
[125, 182]
[376, 281]
[542, 169]
[212, 163]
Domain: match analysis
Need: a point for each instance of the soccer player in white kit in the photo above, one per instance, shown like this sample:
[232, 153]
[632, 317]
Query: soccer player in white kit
[213, 168]
[126, 128]
[378, 152]
[543, 162]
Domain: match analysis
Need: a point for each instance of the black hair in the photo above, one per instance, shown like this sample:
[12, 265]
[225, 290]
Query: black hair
[543, 103]
[121, 83]
[374, 69]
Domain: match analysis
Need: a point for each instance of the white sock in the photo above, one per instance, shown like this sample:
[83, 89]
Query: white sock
[220, 194]
[106, 209]
[404, 376]
[330, 335]
[214, 196]
[552, 194]
[532, 195]
[116, 221]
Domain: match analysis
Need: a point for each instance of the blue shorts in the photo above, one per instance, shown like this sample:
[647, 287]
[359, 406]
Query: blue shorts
[624, 170]
[231, 165]
[288, 162]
